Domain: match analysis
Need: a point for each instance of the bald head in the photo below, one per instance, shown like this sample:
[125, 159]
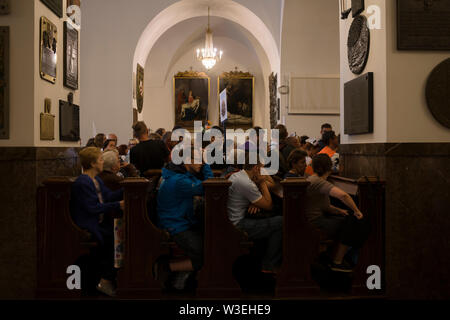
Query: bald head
[112, 136]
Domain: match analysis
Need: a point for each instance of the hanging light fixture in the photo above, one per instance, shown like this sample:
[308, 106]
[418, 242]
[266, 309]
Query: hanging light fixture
[208, 55]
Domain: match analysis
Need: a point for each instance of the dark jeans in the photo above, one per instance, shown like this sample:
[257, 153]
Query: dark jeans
[348, 230]
[270, 229]
[191, 242]
[104, 253]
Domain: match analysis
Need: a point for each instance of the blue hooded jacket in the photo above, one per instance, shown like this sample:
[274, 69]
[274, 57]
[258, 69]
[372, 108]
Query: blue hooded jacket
[175, 197]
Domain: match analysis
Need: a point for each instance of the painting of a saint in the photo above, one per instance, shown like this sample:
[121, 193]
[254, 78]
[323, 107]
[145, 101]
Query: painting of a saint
[239, 87]
[191, 98]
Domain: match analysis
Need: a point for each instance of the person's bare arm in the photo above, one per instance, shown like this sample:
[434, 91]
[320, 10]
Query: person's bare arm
[266, 200]
[347, 200]
[337, 211]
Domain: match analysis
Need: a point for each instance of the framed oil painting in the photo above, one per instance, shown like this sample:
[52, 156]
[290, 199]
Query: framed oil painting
[4, 82]
[70, 57]
[48, 50]
[240, 98]
[191, 97]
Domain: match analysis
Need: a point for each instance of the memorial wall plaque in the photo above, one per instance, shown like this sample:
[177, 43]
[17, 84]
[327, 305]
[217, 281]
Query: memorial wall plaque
[47, 122]
[140, 87]
[48, 50]
[69, 121]
[70, 57]
[55, 5]
[5, 7]
[358, 105]
[423, 24]
[4, 82]
[358, 44]
[357, 7]
[438, 93]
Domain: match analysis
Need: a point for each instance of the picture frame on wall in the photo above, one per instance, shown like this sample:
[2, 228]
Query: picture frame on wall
[55, 5]
[240, 98]
[4, 83]
[139, 87]
[70, 57]
[5, 7]
[48, 50]
[191, 91]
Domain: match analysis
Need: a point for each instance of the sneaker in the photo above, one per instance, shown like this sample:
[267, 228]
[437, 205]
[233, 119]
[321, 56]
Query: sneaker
[342, 267]
[161, 270]
[107, 289]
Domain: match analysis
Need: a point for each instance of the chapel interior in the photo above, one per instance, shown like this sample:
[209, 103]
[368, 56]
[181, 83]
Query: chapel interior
[375, 71]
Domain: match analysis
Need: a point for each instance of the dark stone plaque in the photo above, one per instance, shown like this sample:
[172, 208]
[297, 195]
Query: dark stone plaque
[69, 121]
[4, 82]
[423, 24]
[357, 7]
[55, 5]
[358, 44]
[5, 7]
[358, 105]
[70, 56]
[438, 93]
[140, 87]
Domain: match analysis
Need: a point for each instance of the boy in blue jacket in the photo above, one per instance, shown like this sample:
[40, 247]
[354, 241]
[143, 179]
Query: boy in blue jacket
[175, 206]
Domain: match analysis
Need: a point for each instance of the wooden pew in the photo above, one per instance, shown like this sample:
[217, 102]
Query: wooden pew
[369, 195]
[59, 241]
[144, 243]
[300, 243]
[223, 244]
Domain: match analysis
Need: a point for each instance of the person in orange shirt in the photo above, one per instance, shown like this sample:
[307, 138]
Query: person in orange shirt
[332, 143]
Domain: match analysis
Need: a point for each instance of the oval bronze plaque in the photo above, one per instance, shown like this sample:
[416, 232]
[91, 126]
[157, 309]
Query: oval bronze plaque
[358, 44]
[438, 93]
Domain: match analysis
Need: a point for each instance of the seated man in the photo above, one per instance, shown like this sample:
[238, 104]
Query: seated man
[90, 201]
[148, 154]
[297, 164]
[350, 230]
[175, 206]
[249, 193]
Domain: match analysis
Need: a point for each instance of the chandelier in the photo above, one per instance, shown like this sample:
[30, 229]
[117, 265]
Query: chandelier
[208, 55]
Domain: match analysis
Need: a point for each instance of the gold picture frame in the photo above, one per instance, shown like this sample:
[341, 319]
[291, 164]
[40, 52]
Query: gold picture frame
[191, 92]
[48, 53]
[240, 101]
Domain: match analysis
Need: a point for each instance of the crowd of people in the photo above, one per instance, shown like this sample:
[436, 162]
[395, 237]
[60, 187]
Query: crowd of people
[254, 198]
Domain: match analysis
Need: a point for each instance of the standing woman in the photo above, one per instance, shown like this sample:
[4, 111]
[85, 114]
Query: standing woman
[90, 202]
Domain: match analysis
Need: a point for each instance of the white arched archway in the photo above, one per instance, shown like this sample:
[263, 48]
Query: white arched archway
[263, 39]
[226, 9]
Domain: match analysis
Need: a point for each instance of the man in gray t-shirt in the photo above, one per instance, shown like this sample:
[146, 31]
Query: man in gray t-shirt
[242, 193]
[318, 197]
[249, 192]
